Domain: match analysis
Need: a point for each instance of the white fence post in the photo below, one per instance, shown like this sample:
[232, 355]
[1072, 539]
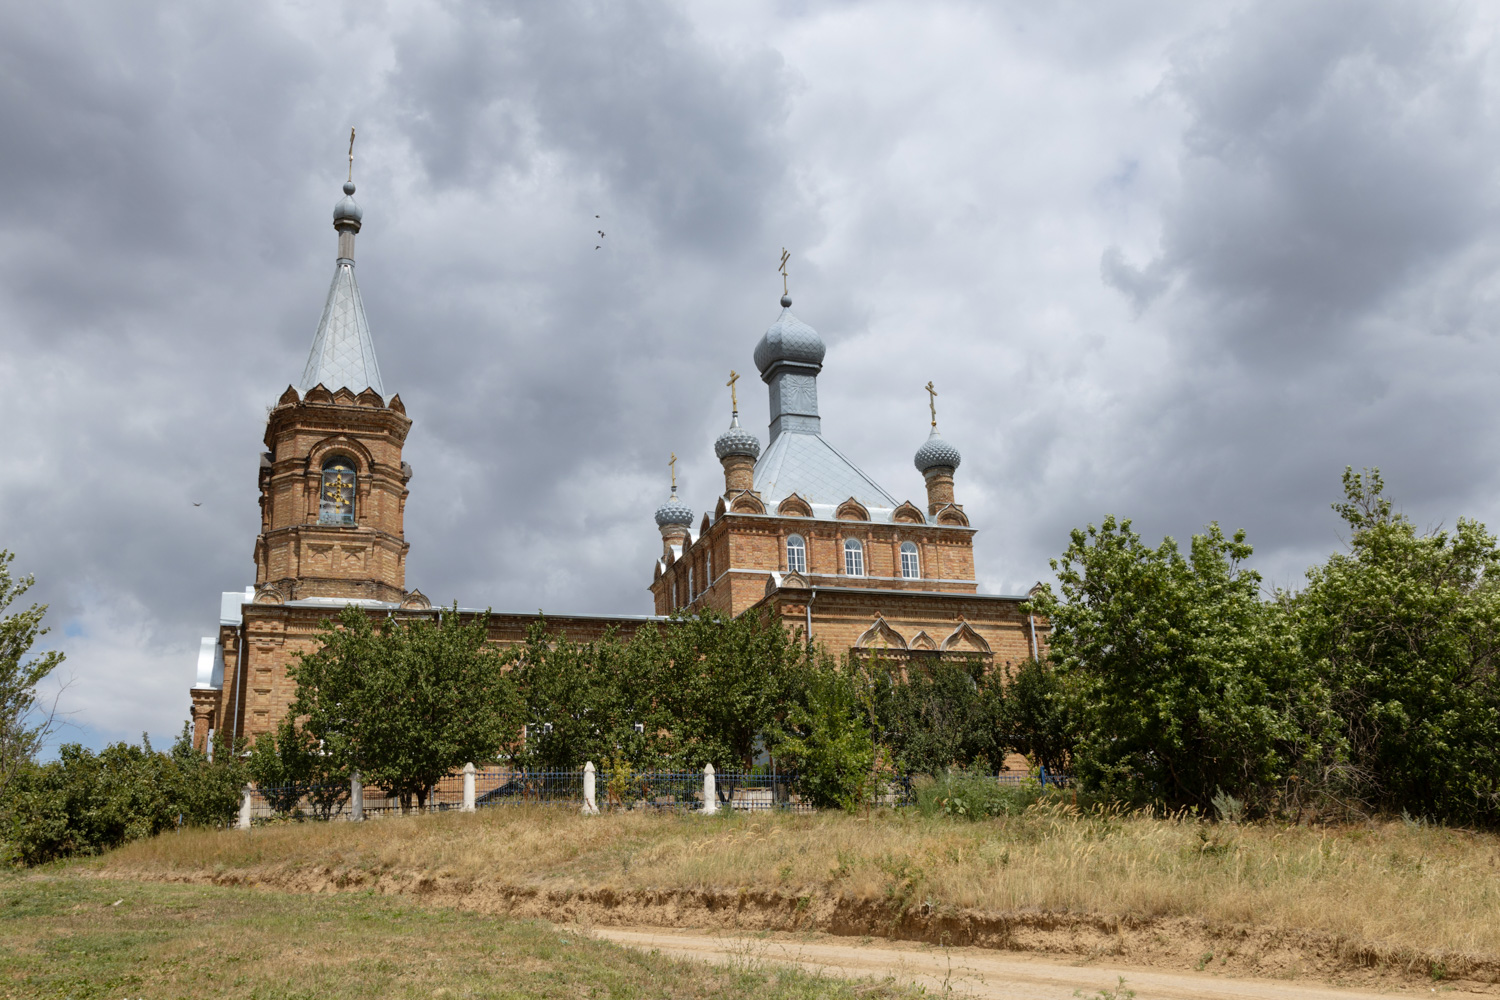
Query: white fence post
[590, 801]
[469, 787]
[245, 794]
[710, 795]
[356, 797]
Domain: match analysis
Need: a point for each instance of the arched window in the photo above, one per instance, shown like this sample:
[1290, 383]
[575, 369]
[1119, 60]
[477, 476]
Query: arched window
[854, 557]
[796, 554]
[911, 568]
[336, 500]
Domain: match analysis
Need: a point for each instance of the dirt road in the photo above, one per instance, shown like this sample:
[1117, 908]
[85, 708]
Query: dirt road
[979, 972]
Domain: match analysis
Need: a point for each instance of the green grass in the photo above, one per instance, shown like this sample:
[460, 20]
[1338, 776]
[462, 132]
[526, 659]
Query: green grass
[63, 935]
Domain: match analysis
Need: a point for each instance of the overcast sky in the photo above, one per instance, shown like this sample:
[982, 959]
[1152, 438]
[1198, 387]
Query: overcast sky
[1177, 262]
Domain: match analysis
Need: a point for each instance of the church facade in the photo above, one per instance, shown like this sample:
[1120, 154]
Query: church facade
[799, 531]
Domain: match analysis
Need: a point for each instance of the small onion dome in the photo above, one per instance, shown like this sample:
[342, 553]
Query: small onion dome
[789, 339]
[674, 511]
[936, 454]
[347, 210]
[737, 441]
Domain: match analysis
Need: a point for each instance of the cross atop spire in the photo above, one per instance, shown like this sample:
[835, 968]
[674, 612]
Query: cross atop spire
[673, 465]
[351, 154]
[734, 399]
[932, 403]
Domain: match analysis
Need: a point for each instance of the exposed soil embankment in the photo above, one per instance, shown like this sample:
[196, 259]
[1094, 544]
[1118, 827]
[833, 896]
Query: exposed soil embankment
[1174, 942]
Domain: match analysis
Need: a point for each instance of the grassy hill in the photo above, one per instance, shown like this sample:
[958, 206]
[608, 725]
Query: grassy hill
[1406, 898]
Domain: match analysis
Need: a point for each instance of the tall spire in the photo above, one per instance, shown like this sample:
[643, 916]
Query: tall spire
[343, 354]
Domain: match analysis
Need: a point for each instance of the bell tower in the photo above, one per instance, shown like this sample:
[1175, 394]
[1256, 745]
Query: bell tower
[332, 482]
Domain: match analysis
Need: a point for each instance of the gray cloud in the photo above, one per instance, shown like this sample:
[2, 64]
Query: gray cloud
[1171, 261]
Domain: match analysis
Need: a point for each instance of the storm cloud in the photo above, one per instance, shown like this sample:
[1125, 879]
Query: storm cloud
[1176, 262]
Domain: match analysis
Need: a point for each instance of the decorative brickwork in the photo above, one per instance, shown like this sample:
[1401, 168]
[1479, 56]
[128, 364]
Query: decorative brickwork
[302, 552]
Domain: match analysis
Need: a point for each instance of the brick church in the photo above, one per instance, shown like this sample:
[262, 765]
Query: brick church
[799, 530]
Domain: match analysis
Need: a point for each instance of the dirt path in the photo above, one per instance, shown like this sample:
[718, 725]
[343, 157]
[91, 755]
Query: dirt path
[979, 972]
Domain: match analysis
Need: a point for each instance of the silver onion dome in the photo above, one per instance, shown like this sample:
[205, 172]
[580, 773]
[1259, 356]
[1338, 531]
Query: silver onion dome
[789, 339]
[936, 453]
[347, 209]
[737, 441]
[674, 511]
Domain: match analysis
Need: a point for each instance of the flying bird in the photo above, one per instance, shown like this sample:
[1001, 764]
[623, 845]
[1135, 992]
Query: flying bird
[596, 248]
[601, 234]
[197, 505]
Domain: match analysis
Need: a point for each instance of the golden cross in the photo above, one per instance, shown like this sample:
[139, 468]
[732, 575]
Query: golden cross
[784, 258]
[351, 154]
[734, 399]
[932, 403]
[673, 464]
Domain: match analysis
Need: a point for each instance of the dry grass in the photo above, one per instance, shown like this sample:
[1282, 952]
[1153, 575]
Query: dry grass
[1391, 884]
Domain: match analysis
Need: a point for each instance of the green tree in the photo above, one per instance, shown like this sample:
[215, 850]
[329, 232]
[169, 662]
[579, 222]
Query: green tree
[1403, 632]
[21, 732]
[1035, 718]
[289, 767]
[933, 716]
[825, 737]
[721, 682]
[1176, 667]
[203, 789]
[693, 690]
[583, 701]
[408, 703]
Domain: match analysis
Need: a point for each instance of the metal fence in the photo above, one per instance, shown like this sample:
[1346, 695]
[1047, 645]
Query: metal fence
[669, 791]
[615, 789]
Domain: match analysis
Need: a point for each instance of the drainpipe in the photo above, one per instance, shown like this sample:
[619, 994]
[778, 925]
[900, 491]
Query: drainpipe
[239, 680]
[810, 600]
[1031, 621]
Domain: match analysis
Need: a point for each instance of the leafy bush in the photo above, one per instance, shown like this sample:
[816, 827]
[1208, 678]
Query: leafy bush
[935, 715]
[1176, 682]
[289, 768]
[1036, 716]
[1176, 668]
[969, 795]
[85, 803]
[1402, 634]
[826, 740]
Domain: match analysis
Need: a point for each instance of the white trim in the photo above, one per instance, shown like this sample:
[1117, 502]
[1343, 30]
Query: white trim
[826, 520]
[844, 576]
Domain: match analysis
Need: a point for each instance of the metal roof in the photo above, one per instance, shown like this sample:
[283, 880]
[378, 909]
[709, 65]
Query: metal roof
[230, 604]
[210, 664]
[789, 339]
[805, 464]
[343, 355]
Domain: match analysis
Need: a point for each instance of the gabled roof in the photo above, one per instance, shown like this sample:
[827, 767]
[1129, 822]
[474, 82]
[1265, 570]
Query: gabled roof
[816, 471]
[343, 355]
